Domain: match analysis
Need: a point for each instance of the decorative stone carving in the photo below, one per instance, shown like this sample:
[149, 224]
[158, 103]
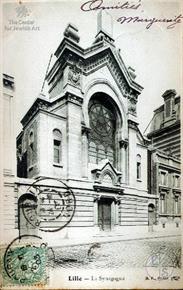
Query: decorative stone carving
[74, 99]
[42, 105]
[123, 143]
[75, 70]
[117, 200]
[85, 130]
[74, 76]
[132, 105]
[106, 58]
[96, 198]
[106, 169]
[132, 125]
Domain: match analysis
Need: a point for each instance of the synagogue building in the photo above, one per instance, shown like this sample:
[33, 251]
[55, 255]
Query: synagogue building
[85, 133]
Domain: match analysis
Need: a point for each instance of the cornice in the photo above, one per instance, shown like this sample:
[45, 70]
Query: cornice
[169, 167]
[100, 188]
[92, 58]
[163, 129]
[37, 105]
[74, 99]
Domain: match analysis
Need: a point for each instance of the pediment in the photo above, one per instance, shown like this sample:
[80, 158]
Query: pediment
[106, 174]
[124, 77]
[91, 59]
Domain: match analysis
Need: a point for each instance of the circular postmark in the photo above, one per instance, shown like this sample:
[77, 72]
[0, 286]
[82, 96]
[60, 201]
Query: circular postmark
[25, 261]
[53, 206]
[160, 266]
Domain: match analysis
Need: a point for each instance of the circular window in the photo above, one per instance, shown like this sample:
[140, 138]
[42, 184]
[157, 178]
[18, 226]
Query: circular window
[101, 120]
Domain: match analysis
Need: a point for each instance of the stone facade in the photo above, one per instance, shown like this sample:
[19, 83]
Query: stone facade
[164, 160]
[164, 131]
[109, 194]
[85, 133]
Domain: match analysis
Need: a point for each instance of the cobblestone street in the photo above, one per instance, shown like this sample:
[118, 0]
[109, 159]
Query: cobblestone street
[119, 254]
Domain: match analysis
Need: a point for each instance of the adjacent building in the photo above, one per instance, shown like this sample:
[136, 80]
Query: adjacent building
[8, 218]
[165, 126]
[164, 160]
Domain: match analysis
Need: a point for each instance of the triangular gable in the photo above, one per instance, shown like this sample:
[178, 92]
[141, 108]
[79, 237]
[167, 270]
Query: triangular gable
[91, 59]
[105, 172]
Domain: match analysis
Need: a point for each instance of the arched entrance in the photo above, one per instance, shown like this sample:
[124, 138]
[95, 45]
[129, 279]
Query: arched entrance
[30, 202]
[151, 215]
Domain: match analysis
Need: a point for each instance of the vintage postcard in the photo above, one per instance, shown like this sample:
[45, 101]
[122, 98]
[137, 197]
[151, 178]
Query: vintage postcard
[91, 144]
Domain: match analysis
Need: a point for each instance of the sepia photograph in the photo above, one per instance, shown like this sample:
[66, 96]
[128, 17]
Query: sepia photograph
[91, 144]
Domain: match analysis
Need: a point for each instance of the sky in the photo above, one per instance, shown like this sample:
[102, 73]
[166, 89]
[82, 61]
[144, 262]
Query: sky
[154, 53]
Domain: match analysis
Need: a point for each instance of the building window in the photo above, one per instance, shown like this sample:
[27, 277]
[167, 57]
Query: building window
[176, 182]
[162, 203]
[57, 138]
[168, 108]
[163, 178]
[102, 137]
[31, 147]
[138, 167]
[176, 204]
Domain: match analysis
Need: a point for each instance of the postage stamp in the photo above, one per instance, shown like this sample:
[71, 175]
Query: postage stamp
[52, 204]
[25, 262]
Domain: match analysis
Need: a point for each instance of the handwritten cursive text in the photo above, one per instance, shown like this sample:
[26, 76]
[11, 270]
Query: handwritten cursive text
[98, 4]
[150, 21]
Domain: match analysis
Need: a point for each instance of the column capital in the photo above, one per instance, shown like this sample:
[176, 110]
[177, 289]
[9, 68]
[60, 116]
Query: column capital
[96, 197]
[85, 130]
[123, 143]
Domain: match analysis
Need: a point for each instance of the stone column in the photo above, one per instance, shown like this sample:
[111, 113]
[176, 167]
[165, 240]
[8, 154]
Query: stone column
[132, 171]
[117, 214]
[85, 132]
[117, 202]
[95, 213]
[124, 159]
[74, 163]
[113, 215]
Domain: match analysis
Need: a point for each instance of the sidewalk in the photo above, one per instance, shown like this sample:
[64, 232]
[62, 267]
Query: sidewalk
[116, 238]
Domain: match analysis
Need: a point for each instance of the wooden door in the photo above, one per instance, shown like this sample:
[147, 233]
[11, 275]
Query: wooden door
[104, 214]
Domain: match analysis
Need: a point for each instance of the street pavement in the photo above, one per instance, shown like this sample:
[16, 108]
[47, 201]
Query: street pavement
[126, 252]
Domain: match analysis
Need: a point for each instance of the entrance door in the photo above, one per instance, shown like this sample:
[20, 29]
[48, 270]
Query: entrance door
[104, 214]
[151, 214]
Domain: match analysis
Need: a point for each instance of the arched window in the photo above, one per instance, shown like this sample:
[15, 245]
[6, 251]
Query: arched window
[138, 167]
[103, 125]
[57, 138]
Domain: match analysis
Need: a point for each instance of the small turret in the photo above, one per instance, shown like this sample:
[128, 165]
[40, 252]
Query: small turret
[71, 32]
